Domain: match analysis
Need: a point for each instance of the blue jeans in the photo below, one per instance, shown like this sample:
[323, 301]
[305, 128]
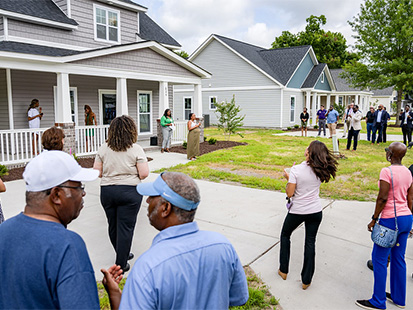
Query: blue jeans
[377, 128]
[369, 130]
[397, 265]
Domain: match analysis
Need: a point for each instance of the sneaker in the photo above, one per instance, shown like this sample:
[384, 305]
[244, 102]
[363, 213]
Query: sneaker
[388, 296]
[365, 304]
[370, 264]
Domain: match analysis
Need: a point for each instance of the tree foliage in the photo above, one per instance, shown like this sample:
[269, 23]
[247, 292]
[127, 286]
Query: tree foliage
[329, 47]
[385, 43]
[183, 54]
[229, 120]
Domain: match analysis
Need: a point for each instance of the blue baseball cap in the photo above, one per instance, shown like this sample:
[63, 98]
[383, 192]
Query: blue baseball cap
[160, 188]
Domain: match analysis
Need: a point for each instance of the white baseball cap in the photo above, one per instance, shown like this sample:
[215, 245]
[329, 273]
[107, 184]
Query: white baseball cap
[52, 168]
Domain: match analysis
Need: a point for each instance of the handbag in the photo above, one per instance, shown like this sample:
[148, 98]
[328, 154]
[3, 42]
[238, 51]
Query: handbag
[384, 236]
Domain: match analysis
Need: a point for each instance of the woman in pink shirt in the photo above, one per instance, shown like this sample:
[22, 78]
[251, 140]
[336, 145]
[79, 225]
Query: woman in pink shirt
[385, 204]
[303, 188]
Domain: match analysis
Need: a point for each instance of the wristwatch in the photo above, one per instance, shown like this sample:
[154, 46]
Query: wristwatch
[374, 218]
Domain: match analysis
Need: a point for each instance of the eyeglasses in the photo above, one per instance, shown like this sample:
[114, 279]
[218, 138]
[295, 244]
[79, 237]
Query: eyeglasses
[81, 187]
[388, 150]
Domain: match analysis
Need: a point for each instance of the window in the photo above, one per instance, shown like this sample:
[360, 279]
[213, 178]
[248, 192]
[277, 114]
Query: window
[340, 100]
[292, 109]
[212, 101]
[187, 107]
[107, 24]
[322, 77]
[144, 112]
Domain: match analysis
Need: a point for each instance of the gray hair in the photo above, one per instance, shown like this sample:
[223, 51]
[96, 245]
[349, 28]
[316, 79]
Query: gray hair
[185, 187]
[35, 198]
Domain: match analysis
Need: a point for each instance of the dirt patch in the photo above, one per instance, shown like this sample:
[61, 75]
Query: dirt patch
[17, 173]
[249, 172]
[205, 147]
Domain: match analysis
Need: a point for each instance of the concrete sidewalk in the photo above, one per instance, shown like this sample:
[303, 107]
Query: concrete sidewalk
[252, 220]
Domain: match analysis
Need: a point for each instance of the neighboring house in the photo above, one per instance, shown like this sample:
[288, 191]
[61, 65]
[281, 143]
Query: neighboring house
[270, 85]
[108, 54]
[385, 97]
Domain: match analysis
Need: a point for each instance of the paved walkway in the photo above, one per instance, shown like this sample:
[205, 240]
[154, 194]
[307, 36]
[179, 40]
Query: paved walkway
[252, 220]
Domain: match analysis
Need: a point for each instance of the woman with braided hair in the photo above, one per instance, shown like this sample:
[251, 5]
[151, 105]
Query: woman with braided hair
[122, 164]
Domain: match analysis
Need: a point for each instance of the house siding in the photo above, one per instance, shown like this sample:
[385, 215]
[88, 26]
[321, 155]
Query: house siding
[261, 108]
[323, 86]
[62, 4]
[144, 60]
[4, 109]
[1, 27]
[228, 69]
[302, 72]
[82, 12]
[299, 105]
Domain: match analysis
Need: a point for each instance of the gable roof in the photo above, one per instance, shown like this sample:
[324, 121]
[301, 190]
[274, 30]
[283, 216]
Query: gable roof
[280, 64]
[149, 30]
[386, 92]
[313, 76]
[341, 84]
[43, 9]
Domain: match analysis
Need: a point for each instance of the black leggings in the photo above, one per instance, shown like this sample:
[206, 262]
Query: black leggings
[121, 204]
[311, 223]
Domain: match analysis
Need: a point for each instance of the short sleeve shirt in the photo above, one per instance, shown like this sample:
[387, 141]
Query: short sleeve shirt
[306, 199]
[119, 168]
[332, 116]
[402, 179]
[34, 123]
[321, 114]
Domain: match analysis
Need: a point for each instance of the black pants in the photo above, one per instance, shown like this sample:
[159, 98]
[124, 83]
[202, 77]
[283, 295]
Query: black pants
[384, 133]
[121, 204]
[352, 134]
[311, 223]
[407, 134]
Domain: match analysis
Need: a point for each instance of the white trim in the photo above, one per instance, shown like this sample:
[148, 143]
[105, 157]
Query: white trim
[183, 106]
[138, 23]
[9, 98]
[209, 102]
[213, 37]
[133, 7]
[46, 43]
[37, 20]
[5, 28]
[281, 107]
[215, 89]
[107, 9]
[100, 93]
[69, 8]
[296, 68]
[322, 77]
[1, 38]
[76, 104]
[145, 92]
[295, 107]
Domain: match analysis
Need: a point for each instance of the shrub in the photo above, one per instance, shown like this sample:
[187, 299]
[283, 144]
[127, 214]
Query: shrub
[184, 145]
[3, 170]
[315, 126]
[296, 126]
[288, 128]
[212, 141]
[205, 138]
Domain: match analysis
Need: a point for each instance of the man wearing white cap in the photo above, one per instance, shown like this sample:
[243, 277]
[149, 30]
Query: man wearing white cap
[43, 265]
[185, 268]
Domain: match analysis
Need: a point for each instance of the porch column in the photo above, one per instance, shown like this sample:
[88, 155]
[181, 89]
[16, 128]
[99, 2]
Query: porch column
[163, 98]
[63, 113]
[9, 98]
[121, 97]
[328, 101]
[356, 100]
[308, 101]
[314, 107]
[198, 100]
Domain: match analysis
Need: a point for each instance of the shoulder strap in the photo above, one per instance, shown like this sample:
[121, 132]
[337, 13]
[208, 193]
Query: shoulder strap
[394, 200]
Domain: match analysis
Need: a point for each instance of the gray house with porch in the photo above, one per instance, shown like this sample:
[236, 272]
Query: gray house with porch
[108, 54]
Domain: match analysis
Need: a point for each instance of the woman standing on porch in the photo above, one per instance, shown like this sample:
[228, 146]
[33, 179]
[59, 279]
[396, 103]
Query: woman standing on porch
[34, 116]
[90, 120]
[167, 124]
[122, 164]
[192, 149]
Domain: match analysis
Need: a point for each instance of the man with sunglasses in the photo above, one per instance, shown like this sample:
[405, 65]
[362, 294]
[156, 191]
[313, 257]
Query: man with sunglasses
[43, 265]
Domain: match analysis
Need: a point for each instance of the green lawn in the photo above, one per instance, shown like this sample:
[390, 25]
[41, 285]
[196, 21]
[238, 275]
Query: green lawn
[260, 164]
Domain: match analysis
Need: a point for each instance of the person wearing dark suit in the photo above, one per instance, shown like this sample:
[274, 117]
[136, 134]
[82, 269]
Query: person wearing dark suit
[386, 118]
[378, 124]
[406, 119]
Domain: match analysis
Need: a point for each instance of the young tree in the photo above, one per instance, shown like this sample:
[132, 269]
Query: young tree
[228, 119]
[385, 44]
[329, 47]
[183, 54]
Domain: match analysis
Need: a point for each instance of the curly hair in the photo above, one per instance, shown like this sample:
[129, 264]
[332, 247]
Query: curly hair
[122, 134]
[322, 161]
[52, 139]
[166, 112]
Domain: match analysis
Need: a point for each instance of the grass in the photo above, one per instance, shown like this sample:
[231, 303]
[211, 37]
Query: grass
[260, 296]
[260, 164]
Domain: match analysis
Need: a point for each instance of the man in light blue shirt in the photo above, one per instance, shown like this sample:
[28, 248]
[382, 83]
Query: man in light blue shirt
[185, 268]
[332, 120]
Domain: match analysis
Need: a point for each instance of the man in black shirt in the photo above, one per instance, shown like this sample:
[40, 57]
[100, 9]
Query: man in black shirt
[369, 122]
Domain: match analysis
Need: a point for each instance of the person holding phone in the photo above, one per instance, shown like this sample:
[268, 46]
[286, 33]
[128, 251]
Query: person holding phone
[34, 115]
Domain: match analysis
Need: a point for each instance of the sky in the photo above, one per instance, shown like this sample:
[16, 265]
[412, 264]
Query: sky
[257, 22]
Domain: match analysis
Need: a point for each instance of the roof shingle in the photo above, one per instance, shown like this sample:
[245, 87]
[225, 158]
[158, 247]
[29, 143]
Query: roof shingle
[313, 76]
[151, 31]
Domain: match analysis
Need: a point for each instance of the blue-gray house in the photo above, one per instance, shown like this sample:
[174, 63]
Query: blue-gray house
[270, 85]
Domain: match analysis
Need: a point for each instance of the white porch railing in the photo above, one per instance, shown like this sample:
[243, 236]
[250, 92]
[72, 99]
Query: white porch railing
[180, 133]
[90, 138]
[20, 145]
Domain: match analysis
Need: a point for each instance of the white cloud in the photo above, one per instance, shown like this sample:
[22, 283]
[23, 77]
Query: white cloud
[259, 34]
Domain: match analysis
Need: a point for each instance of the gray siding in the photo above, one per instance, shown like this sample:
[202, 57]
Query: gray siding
[262, 108]
[323, 86]
[144, 60]
[1, 27]
[299, 105]
[4, 110]
[228, 69]
[82, 12]
[302, 72]
[62, 4]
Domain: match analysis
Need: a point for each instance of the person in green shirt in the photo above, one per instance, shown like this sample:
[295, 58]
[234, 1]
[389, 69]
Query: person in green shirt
[167, 124]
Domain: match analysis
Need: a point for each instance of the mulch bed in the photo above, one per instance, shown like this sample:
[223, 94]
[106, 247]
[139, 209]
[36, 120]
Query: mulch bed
[205, 147]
